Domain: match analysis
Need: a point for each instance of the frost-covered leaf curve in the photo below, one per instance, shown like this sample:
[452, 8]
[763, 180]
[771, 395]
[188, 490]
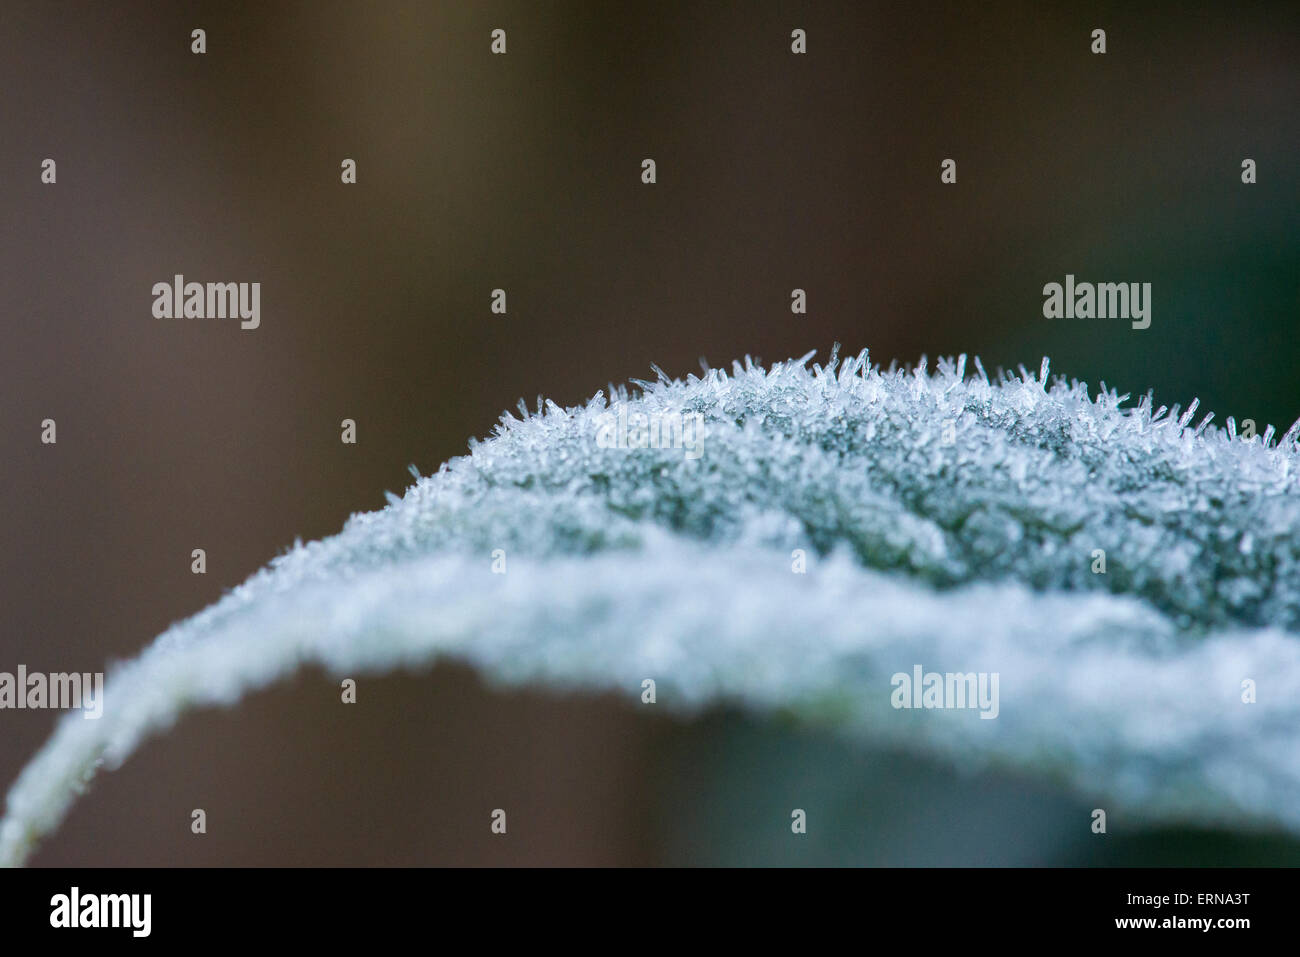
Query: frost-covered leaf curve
[948, 521]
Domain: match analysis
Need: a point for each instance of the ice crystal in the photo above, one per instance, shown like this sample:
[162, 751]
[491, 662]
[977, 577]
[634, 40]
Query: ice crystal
[947, 519]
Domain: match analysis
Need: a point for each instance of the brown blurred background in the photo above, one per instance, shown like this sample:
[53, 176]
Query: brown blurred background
[522, 172]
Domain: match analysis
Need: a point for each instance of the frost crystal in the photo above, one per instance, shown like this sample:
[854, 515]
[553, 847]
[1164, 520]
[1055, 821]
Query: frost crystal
[948, 521]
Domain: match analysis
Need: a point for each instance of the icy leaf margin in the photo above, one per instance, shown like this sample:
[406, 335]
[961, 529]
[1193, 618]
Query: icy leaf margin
[948, 521]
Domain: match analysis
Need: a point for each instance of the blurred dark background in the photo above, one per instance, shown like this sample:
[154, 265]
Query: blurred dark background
[522, 172]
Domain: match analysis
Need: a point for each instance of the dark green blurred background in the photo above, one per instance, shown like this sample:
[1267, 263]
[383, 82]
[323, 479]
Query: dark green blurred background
[522, 172]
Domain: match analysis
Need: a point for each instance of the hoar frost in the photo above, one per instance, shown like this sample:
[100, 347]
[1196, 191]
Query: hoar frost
[938, 518]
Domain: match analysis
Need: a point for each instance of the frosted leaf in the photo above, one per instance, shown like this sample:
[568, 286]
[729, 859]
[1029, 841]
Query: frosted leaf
[950, 521]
